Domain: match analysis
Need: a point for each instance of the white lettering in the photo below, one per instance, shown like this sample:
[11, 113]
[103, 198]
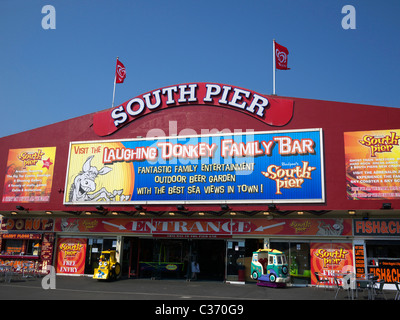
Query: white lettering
[119, 116]
[237, 97]
[169, 91]
[212, 90]
[138, 111]
[191, 92]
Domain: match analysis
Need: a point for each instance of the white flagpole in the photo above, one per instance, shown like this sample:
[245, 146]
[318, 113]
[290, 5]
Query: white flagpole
[115, 80]
[273, 66]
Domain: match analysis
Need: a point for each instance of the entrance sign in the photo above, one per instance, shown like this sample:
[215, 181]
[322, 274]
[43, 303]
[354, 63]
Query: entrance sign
[271, 110]
[257, 167]
[207, 227]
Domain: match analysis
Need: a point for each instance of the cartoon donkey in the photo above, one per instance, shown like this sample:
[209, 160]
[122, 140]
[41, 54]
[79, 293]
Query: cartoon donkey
[84, 183]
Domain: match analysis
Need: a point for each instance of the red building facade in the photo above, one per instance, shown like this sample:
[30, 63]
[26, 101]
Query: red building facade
[210, 172]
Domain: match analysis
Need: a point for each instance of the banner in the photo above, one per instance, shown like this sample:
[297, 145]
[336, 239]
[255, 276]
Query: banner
[71, 254]
[372, 164]
[329, 259]
[120, 72]
[29, 175]
[281, 59]
[281, 166]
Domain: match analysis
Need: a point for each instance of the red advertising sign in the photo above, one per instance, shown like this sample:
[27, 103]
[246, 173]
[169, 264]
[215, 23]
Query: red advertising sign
[329, 260]
[273, 111]
[71, 254]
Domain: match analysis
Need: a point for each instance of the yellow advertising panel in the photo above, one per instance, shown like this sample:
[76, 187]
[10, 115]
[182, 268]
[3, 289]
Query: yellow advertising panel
[90, 180]
[372, 164]
[29, 175]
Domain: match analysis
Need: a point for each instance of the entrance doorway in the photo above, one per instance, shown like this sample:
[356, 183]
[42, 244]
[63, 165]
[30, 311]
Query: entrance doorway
[93, 251]
[164, 258]
[211, 258]
[298, 254]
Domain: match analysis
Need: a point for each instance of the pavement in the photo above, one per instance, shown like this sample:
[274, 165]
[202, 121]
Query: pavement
[86, 288]
[85, 297]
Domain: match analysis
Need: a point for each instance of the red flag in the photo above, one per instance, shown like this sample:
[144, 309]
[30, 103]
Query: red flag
[281, 54]
[120, 73]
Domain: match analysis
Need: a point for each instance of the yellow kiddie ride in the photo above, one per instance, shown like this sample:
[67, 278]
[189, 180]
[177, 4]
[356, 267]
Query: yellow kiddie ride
[109, 268]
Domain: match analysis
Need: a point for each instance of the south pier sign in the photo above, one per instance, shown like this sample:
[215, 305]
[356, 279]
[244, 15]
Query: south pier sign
[271, 110]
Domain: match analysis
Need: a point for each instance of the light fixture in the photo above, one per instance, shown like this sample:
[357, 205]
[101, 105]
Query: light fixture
[232, 213]
[114, 213]
[88, 213]
[265, 213]
[201, 213]
[14, 212]
[386, 206]
[138, 207]
[171, 213]
[142, 213]
[300, 212]
[49, 212]
[224, 207]
[180, 207]
[352, 212]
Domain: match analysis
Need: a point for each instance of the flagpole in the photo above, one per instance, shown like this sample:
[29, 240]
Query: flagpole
[273, 66]
[115, 80]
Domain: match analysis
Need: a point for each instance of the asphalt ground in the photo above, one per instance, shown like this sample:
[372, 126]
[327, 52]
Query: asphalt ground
[156, 296]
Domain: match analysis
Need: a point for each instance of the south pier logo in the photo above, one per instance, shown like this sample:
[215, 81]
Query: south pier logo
[30, 158]
[288, 178]
[379, 144]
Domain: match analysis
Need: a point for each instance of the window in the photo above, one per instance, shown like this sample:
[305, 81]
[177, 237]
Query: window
[271, 260]
[13, 246]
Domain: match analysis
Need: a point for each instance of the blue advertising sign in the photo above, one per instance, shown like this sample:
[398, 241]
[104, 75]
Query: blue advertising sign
[263, 167]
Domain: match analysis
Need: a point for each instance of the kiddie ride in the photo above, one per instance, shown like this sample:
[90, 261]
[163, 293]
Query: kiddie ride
[109, 268]
[269, 267]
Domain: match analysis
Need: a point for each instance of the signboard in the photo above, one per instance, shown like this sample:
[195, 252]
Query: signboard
[46, 256]
[377, 227]
[207, 227]
[359, 256]
[71, 254]
[22, 236]
[26, 224]
[372, 164]
[387, 270]
[279, 166]
[330, 259]
[29, 175]
[271, 110]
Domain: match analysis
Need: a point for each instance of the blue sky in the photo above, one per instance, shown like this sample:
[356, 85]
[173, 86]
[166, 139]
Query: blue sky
[47, 76]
